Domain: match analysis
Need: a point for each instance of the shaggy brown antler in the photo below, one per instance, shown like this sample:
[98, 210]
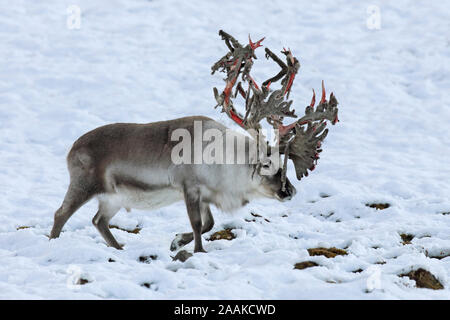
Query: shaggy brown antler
[302, 145]
[299, 143]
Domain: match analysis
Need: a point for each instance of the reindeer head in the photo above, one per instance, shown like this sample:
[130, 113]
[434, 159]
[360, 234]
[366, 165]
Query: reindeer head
[299, 141]
[274, 186]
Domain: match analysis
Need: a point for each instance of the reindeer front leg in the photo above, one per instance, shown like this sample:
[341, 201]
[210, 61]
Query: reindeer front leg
[183, 239]
[193, 206]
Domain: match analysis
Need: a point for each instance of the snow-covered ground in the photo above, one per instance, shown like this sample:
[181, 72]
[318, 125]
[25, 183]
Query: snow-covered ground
[142, 61]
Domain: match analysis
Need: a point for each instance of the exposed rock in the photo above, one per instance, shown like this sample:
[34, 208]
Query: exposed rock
[327, 252]
[305, 264]
[182, 256]
[406, 237]
[82, 281]
[23, 227]
[424, 279]
[147, 285]
[378, 206]
[225, 234]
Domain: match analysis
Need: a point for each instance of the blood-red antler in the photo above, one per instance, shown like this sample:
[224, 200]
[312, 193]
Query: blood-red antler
[255, 45]
[299, 143]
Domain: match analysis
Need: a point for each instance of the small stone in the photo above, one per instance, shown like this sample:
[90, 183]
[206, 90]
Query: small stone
[148, 259]
[225, 234]
[406, 238]
[82, 281]
[378, 206]
[327, 252]
[182, 256]
[424, 279]
[305, 264]
[23, 227]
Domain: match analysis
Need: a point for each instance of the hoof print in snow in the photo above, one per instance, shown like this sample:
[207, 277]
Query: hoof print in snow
[182, 256]
[148, 259]
[406, 238]
[305, 264]
[135, 230]
[327, 252]
[324, 195]
[424, 279]
[225, 234]
[256, 216]
[111, 260]
[358, 270]
[378, 206]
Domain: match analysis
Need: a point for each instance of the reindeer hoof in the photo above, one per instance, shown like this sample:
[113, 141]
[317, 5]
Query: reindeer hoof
[119, 246]
[177, 243]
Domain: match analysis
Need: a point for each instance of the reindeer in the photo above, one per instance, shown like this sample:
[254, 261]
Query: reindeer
[127, 165]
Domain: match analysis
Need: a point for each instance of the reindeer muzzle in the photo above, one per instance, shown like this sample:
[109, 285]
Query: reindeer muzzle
[288, 193]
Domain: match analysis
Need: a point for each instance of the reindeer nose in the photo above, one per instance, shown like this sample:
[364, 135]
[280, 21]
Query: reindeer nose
[288, 193]
[291, 191]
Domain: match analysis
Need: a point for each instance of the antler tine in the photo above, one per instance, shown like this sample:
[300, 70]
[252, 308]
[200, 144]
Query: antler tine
[313, 100]
[284, 130]
[326, 110]
[255, 45]
[288, 70]
[230, 41]
[323, 100]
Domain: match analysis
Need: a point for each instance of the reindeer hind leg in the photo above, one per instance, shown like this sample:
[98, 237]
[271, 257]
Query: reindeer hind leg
[81, 189]
[101, 221]
[74, 199]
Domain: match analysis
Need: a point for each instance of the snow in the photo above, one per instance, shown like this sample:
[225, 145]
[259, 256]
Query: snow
[144, 61]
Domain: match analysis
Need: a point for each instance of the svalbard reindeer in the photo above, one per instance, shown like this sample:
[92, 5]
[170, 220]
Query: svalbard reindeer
[127, 165]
